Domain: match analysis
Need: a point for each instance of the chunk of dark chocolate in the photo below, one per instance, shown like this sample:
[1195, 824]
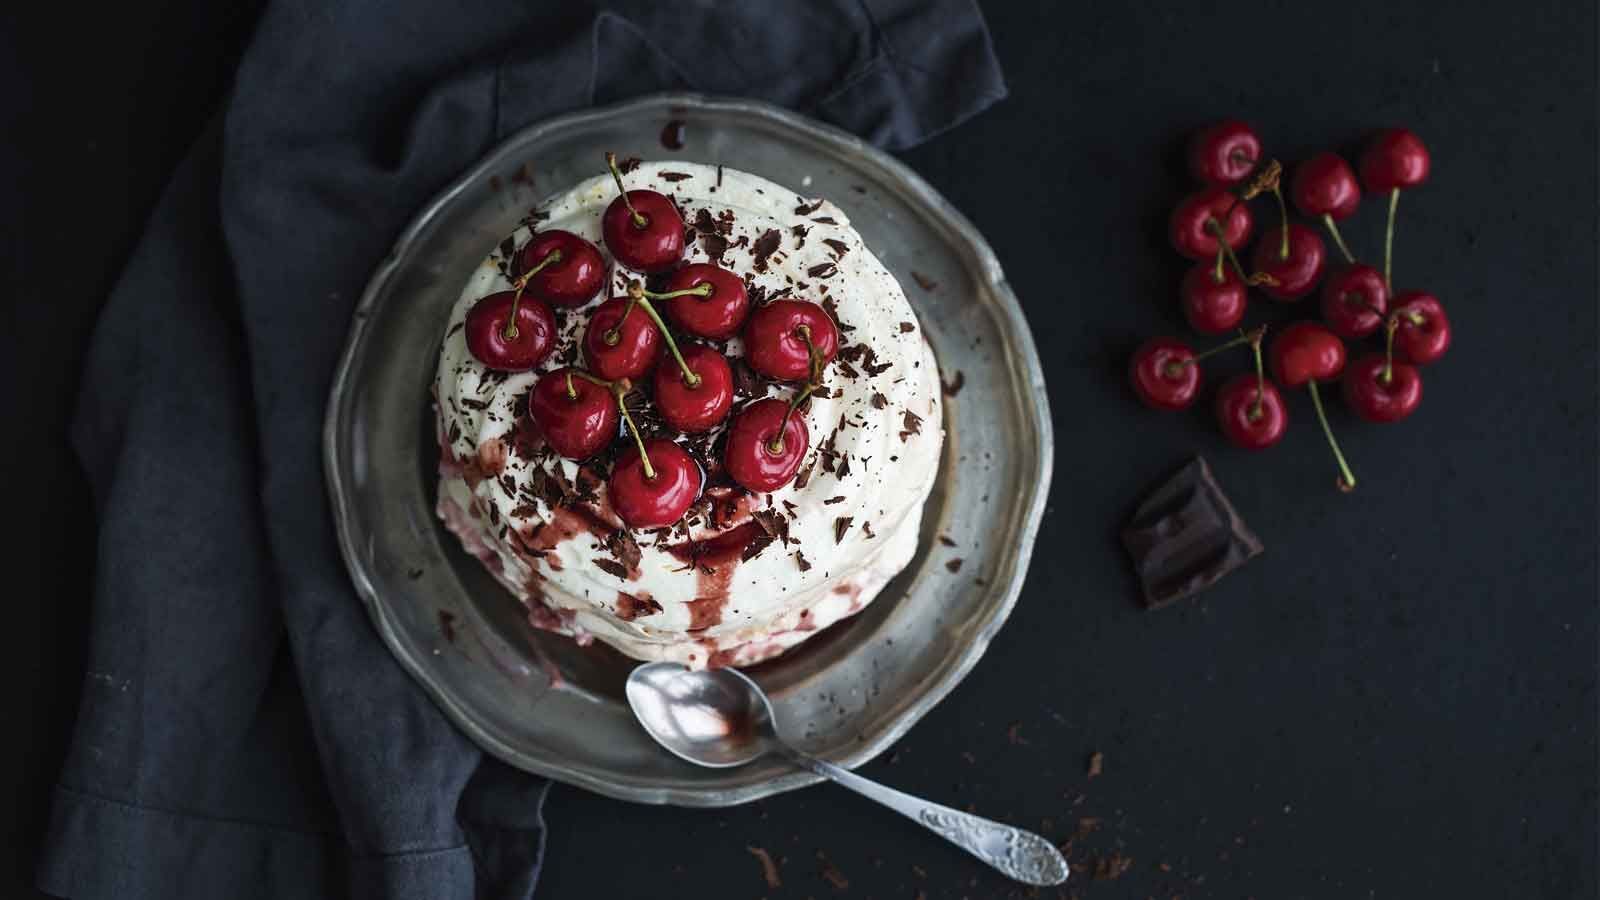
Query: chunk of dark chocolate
[1185, 536]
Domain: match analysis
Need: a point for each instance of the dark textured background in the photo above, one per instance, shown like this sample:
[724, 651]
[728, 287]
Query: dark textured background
[1397, 700]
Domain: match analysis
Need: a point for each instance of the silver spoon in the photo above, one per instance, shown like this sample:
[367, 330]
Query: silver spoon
[719, 718]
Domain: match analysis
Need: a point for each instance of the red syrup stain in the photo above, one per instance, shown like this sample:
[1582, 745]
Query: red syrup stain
[492, 456]
[848, 590]
[672, 135]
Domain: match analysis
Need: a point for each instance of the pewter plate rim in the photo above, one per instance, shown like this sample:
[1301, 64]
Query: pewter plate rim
[1021, 360]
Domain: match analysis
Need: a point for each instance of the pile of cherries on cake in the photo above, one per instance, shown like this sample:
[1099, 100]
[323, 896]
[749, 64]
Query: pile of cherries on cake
[655, 481]
[1213, 227]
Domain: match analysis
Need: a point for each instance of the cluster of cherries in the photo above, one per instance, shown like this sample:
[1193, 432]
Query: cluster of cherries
[578, 410]
[1212, 227]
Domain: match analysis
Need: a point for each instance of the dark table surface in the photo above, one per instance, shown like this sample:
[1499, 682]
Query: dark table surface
[1396, 700]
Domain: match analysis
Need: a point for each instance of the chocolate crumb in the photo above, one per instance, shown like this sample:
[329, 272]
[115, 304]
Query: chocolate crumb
[769, 869]
[866, 528]
[954, 565]
[447, 625]
[907, 328]
[912, 423]
[840, 526]
[1097, 764]
[945, 540]
[954, 385]
[1109, 868]
[832, 873]
[923, 281]
[629, 164]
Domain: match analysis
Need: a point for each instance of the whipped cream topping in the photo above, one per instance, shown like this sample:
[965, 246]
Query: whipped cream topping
[743, 576]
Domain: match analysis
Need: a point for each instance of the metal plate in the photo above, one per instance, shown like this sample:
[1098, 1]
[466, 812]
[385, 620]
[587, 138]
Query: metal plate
[845, 695]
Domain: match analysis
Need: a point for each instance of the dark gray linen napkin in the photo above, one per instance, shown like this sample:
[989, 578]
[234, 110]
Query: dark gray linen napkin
[243, 732]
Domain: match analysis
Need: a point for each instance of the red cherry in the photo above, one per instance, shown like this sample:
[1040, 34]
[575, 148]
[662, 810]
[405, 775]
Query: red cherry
[715, 314]
[776, 335]
[1306, 351]
[642, 228]
[1295, 273]
[654, 489]
[1424, 332]
[1381, 391]
[1324, 185]
[756, 456]
[567, 270]
[577, 416]
[508, 333]
[619, 342]
[1224, 153]
[1164, 373]
[698, 407]
[1354, 300]
[1245, 422]
[1191, 226]
[1396, 158]
[1214, 299]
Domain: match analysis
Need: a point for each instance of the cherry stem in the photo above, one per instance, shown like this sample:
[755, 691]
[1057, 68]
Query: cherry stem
[636, 295]
[814, 370]
[620, 390]
[1225, 249]
[1347, 480]
[1389, 327]
[1245, 337]
[639, 220]
[1333, 229]
[510, 331]
[703, 289]
[1388, 239]
[608, 385]
[1261, 373]
[1283, 213]
[1268, 180]
[572, 394]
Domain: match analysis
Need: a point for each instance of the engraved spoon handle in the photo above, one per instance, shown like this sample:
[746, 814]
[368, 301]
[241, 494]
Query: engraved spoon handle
[1018, 854]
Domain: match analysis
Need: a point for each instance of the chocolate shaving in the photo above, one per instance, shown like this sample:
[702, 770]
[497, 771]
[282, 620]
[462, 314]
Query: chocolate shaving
[757, 544]
[472, 403]
[831, 307]
[799, 232]
[455, 433]
[954, 385]
[800, 559]
[907, 328]
[823, 270]
[832, 500]
[769, 869]
[765, 246]
[703, 222]
[806, 209]
[632, 606]
[923, 281]
[719, 174]
[622, 545]
[913, 425]
[746, 383]
[629, 164]
[611, 567]
[826, 220]
[840, 526]
[837, 246]
[844, 467]
[673, 176]
[801, 479]
[866, 528]
[715, 245]
[879, 401]
[954, 565]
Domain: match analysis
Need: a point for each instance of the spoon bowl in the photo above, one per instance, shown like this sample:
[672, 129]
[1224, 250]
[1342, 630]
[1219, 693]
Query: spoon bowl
[717, 718]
